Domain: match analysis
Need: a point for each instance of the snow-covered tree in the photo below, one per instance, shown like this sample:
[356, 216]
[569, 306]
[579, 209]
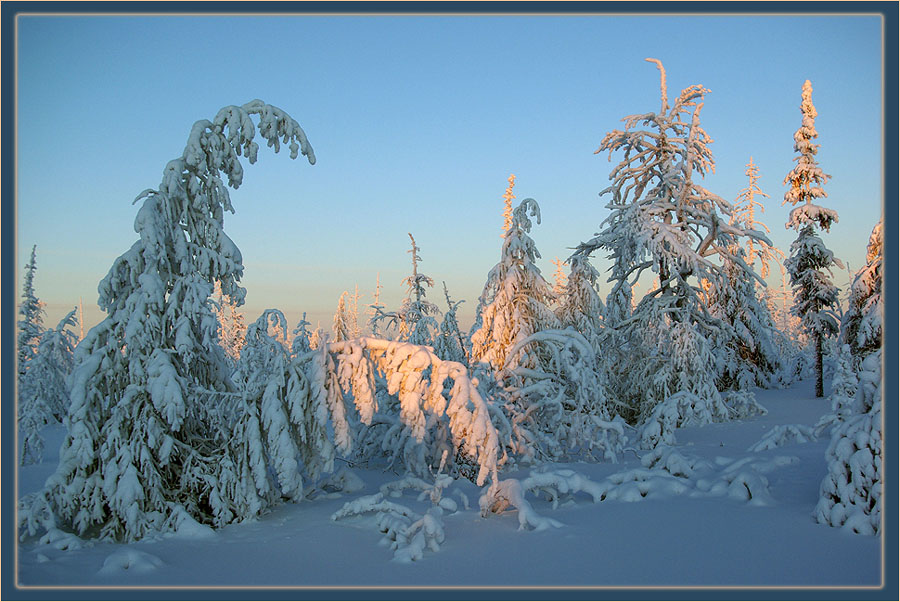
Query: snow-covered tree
[559, 277]
[231, 323]
[579, 305]
[32, 323]
[414, 320]
[281, 424]
[508, 197]
[147, 430]
[450, 343]
[516, 297]
[341, 326]
[745, 207]
[664, 221]
[301, 340]
[851, 492]
[861, 327]
[43, 394]
[809, 264]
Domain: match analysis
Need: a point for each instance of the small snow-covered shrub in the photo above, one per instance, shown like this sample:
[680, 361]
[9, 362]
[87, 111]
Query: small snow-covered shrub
[408, 533]
[673, 462]
[742, 404]
[784, 434]
[681, 409]
[511, 493]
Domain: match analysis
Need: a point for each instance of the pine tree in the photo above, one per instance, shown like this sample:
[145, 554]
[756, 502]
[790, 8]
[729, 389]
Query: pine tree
[663, 221]
[153, 408]
[32, 323]
[809, 264]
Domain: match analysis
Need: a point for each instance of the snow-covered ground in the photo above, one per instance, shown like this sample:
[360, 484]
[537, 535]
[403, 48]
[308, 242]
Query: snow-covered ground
[690, 525]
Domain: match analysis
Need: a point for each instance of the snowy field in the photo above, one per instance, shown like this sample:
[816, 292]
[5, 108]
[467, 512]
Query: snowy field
[684, 520]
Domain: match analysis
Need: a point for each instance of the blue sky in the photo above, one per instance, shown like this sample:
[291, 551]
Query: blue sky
[416, 123]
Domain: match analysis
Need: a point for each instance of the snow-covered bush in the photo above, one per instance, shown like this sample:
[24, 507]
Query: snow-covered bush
[146, 433]
[680, 409]
[784, 434]
[851, 492]
[408, 533]
[511, 493]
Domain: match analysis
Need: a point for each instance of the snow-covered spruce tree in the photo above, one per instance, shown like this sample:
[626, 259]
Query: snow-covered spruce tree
[850, 495]
[147, 440]
[579, 305]
[231, 324]
[341, 323]
[301, 341]
[809, 264]
[515, 304]
[43, 394]
[508, 197]
[861, 326]
[516, 297]
[559, 278]
[751, 356]
[414, 320]
[281, 422]
[662, 220]
[450, 343]
[32, 323]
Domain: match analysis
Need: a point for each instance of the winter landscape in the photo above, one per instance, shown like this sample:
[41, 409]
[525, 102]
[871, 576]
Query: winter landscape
[688, 396]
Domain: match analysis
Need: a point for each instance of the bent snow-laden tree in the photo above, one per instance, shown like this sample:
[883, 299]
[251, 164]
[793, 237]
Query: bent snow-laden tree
[143, 449]
[809, 264]
[662, 220]
[439, 408]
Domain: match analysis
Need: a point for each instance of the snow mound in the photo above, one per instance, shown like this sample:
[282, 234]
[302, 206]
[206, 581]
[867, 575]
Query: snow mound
[784, 434]
[131, 561]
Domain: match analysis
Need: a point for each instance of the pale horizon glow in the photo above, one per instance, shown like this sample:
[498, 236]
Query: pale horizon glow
[417, 123]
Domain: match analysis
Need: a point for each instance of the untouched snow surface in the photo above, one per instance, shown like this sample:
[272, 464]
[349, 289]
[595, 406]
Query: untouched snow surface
[692, 526]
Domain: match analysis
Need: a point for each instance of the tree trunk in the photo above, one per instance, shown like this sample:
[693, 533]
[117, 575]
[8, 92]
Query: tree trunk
[819, 391]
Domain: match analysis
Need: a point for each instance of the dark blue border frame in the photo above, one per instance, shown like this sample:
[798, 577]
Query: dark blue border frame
[8, 13]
